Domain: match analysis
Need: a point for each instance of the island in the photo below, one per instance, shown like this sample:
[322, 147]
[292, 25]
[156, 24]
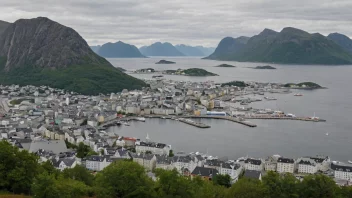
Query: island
[145, 70]
[165, 62]
[189, 72]
[304, 85]
[264, 67]
[234, 83]
[225, 65]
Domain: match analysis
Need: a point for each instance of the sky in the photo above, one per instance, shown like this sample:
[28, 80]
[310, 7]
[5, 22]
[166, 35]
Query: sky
[192, 22]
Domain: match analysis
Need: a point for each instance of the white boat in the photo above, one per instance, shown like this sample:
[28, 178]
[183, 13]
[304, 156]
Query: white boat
[126, 124]
[163, 117]
[298, 94]
[327, 133]
[349, 161]
[142, 119]
[270, 98]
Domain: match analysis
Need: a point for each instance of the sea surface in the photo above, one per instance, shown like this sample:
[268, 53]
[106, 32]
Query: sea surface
[286, 138]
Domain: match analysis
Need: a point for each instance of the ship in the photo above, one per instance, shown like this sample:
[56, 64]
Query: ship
[142, 119]
[298, 94]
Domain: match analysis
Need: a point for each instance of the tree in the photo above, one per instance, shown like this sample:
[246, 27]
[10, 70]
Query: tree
[281, 185]
[148, 152]
[48, 168]
[123, 179]
[83, 150]
[44, 186]
[171, 184]
[17, 168]
[79, 173]
[222, 180]
[171, 153]
[247, 188]
[318, 186]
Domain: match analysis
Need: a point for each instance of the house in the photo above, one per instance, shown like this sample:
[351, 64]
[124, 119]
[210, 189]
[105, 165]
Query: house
[204, 172]
[270, 163]
[148, 161]
[232, 169]
[285, 165]
[307, 165]
[323, 162]
[164, 162]
[64, 163]
[184, 164]
[95, 163]
[342, 171]
[253, 164]
[155, 148]
[122, 153]
[253, 174]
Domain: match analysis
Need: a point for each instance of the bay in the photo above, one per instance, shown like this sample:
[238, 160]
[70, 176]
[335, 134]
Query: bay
[287, 138]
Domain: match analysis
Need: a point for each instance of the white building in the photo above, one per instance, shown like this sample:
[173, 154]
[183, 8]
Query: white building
[253, 164]
[285, 165]
[323, 162]
[231, 169]
[342, 171]
[155, 148]
[148, 161]
[270, 163]
[184, 164]
[307, 165]
[96, 163]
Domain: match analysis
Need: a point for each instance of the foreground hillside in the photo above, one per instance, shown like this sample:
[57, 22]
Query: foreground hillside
[42, 52]
[290, 46]
[21, 173]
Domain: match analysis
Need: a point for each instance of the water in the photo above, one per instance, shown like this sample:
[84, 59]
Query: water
[287, 138]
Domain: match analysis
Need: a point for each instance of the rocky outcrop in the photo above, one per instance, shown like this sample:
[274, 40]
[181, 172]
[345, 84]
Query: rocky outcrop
[41, 42]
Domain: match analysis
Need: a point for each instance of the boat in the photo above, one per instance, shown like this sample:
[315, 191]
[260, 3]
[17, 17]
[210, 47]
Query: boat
[157, 76]
[142, 119]
[314, 118]
[298, 94]
[349, 161]
[163, 117]
[327, 133]
[126, 123]
[270, 98]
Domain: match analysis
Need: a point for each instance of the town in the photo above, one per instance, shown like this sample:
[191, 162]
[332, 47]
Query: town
[56, 125]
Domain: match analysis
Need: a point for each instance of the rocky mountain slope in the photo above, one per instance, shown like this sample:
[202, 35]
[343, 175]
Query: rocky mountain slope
[43, 52]
[3, 26]
[119, 50]
[160, 49]
[290, 46]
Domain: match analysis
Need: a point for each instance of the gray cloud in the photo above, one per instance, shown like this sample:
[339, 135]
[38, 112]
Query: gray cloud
[195, 22]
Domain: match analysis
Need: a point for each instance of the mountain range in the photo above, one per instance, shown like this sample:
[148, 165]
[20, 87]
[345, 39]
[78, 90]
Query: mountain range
[40, 51]
[290, 46]
[160, 49]
[118, 50]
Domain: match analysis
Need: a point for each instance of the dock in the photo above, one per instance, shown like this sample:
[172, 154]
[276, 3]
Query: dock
[285, 118]
[196, 124]
[228, 118]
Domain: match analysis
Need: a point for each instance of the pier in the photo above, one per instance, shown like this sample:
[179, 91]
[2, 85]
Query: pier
[232, 119]
[196, 124]
[285, 118]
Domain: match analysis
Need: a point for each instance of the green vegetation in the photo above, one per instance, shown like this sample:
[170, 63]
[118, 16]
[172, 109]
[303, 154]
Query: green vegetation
[303, 85]
[84, 151]
[225, 65]
[18, 101]
[264, 67]
[85, 79]
[165, 62]
[20, 173]
[235, 83]
[197, 72]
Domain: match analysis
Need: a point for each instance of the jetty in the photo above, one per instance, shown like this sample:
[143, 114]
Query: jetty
[193, 123]
[228, 118]
[308, 119]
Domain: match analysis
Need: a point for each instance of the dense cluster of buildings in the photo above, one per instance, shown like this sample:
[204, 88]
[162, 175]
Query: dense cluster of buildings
[41, 119]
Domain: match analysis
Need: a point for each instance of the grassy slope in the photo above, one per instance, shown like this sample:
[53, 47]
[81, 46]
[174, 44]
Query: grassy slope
[86, 79]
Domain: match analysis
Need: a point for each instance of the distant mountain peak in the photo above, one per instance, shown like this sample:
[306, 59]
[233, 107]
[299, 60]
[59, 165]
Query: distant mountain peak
[268, 32]
[119, 50]
[341, 40]
[160, 49]
[293, 30]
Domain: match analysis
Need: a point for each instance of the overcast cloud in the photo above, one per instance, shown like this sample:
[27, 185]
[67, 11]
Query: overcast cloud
[193, 22]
